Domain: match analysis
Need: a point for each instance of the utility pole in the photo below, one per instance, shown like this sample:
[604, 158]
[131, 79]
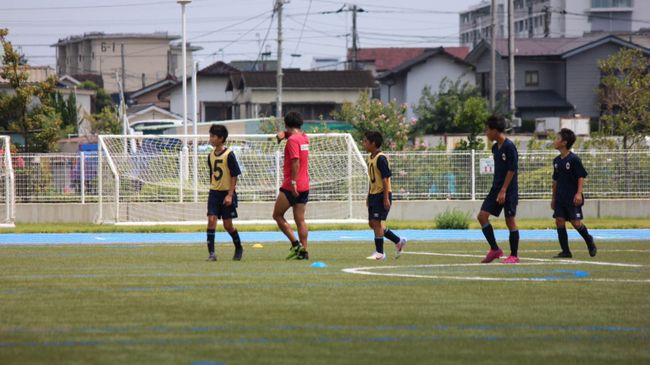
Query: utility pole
[354, 37]
[547, 21]
[123, 65]
[279, 74]
[511, 54]
[493, 55]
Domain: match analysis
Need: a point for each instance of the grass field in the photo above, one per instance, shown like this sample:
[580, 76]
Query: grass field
[163, 304]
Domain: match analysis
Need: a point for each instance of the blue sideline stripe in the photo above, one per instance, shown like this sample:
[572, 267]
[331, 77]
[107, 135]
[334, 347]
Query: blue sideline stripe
[314, 236]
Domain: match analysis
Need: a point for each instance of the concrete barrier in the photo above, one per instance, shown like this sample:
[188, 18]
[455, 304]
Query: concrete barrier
[401, 210]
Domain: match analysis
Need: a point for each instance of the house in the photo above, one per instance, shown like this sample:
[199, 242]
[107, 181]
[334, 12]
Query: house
[311, 93]
[143, 112]
[140, 59]
[553, 76]
[404, 83]
[66, 87]
[379, 60]
[151, 94]
[215, 103]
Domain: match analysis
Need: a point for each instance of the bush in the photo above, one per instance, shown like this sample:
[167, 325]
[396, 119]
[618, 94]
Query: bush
[453, 219]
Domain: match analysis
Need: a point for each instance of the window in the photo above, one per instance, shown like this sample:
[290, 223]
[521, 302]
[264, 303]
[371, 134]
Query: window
[532, 78]
[217, 111]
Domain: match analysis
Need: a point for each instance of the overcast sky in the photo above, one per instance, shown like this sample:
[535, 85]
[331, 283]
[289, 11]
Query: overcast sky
[237, 29]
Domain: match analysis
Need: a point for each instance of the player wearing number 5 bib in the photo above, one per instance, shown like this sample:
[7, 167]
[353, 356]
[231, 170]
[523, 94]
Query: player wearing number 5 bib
[222, 200]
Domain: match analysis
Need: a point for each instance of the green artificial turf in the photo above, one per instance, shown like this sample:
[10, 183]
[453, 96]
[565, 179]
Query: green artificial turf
[164, 304]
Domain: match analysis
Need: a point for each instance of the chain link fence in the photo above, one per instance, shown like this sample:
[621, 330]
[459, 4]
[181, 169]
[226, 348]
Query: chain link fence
[417, 175]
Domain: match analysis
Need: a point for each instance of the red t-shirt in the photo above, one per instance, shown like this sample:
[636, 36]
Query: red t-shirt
[297, 147]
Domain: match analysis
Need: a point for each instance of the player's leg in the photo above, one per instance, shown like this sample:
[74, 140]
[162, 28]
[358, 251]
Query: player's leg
[281, 206]
[584, 232]
[495, 252]
[378, 231]
[212, 226]
[513, 239]
[299, 210]
[232, 231]
[563, 237]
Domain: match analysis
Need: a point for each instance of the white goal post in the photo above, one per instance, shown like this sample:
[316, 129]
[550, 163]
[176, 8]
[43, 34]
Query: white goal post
[7, 184]
[152, 179]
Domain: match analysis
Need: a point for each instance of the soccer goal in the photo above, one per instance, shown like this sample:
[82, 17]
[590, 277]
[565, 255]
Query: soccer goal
[164, 179]
[7, 200]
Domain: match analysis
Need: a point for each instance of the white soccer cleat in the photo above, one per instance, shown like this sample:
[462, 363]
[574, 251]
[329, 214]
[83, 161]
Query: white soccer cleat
[377, 256]
[399, 247]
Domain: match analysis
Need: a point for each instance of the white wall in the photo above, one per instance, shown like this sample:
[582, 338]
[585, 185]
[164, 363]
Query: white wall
[209, 89]
[431, 73]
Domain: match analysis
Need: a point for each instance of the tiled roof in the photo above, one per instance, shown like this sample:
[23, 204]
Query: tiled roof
[428, 53]
[304, 79]
[385, 58]
[97, 79]
[217, 68]
[540, 99]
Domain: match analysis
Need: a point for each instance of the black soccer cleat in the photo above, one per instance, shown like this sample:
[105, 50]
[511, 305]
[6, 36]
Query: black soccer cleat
[591, 246]
[239, 251]
[563, 255]
[303, 255]
[212, 257]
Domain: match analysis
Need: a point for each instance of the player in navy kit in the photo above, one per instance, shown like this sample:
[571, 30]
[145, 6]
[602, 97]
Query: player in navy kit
[504, 194]
[568, 180]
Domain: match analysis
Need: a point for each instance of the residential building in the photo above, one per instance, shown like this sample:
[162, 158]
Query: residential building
[553, 76]
[405, 82]
[311, 93]
[137, 59]
[215, 102]
[151, 94]
[553, 18]
[379, 60]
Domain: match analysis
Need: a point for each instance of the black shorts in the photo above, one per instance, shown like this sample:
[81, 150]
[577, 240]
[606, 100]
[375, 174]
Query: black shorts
[216, 206]
[491, 206]
[376, 209]
[568, 211]
[302, 198]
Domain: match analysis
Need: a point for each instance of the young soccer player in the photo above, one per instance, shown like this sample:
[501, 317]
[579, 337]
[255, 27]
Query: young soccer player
[294, 192]
[504, 194]
[568, 179]
[379, 196]
[222, 200]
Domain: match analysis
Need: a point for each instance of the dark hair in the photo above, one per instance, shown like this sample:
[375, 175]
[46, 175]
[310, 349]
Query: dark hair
[293, 120]
[496, 122]
[568, 136]
[374, 137]
[219, 131]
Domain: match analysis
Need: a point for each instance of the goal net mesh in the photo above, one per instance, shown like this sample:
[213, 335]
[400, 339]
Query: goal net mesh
[7, 191]
[154, 179]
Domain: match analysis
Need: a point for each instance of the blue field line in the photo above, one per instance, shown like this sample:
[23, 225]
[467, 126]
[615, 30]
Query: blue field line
[314, 236]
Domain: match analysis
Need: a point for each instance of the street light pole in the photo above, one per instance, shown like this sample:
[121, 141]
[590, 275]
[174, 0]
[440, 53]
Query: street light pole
[184, 153]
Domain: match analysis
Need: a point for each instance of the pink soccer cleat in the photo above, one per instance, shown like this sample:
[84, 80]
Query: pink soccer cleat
[492, 255]
[511, 260]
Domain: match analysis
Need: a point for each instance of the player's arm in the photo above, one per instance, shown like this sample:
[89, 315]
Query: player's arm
[233, 166]
[577, 200]
[501, 198]
[295, 167]
[387, 189]
[553, 194]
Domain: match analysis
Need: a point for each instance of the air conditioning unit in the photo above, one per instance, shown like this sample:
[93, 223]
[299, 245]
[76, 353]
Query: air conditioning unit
[515, 122]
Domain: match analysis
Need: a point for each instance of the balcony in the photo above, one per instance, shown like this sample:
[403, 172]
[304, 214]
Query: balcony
[611, 6]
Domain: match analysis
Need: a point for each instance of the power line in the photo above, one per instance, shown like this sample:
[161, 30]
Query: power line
[127, 5]
[302, 30]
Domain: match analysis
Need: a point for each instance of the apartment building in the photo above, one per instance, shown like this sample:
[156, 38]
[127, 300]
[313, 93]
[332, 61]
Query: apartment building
[554, 18]
[137, 59]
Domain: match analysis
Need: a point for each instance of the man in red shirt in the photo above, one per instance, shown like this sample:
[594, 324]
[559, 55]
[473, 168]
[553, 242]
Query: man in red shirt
[295, 186]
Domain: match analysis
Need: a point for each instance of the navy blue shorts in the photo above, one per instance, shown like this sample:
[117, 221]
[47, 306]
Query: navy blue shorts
[302, 198]
[216, 206]
[568, 211]
[491, 206]
[376, 209]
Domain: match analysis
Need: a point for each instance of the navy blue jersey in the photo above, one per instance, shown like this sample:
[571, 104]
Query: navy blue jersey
[566, 172]
[505, 159]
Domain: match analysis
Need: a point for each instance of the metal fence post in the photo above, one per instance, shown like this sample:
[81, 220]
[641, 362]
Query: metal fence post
[82, 177]
[473, 167]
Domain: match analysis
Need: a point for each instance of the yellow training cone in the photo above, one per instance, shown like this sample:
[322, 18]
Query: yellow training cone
[257, 245]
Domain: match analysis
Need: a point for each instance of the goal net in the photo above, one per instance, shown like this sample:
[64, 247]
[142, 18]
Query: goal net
[7, 200]
[155, 179]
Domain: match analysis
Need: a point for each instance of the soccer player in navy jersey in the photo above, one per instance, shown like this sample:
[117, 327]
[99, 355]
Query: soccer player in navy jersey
[568, 180]
[222, 199]
[504, 194]
[379, 197]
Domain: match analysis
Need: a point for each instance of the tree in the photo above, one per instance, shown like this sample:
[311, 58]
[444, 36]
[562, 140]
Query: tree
[471, 119]
[437, 112]
[31, 113]
[624, 95]
[105, 122]
[101, 99]
[372, 115]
